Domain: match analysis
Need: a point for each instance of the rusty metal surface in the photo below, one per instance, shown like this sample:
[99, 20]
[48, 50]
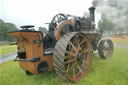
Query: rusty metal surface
[60, 26]
[72, 56]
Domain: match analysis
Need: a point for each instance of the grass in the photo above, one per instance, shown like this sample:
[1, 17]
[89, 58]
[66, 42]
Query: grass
[112, 71]
[6, 49]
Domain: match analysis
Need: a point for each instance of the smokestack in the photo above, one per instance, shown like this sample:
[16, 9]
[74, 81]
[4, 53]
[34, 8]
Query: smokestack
[92, 13]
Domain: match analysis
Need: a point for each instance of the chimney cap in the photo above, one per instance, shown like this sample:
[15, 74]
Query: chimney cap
[92, 8]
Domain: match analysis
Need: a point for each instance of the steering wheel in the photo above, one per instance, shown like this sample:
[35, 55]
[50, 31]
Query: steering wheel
[26, 27]
[58, 18]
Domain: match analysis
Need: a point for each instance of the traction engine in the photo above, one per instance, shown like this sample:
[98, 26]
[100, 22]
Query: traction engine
[67, 48]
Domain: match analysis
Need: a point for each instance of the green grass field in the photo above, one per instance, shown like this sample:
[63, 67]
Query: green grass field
[112, 71]
[5, 49]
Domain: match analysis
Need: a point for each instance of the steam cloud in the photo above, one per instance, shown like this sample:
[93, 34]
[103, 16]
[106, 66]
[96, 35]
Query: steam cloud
[96, 3]
[111, 13]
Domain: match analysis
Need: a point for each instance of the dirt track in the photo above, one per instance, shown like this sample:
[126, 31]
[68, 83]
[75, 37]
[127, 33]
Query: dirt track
[7, 57]
[117, 45]
[118, 39]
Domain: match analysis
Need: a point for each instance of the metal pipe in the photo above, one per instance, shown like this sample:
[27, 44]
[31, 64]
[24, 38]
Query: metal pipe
[92, 13]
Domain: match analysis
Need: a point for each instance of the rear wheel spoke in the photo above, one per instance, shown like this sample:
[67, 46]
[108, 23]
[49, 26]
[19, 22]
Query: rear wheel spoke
[85, 51]
[85, 62]
[69, 61]
[72, 66]
[67, 57]
[76, 38]
[82, 42]
[78, 43]
[80, 69]
[67, 68]
[72, 45]
[70, 53]
[74, 75]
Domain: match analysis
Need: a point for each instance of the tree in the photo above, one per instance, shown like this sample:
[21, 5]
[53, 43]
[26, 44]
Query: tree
[119, 10]
[4, 29]
[106, 25]
[126, 20]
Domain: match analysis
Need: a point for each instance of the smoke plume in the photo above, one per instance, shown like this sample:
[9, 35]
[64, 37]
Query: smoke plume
[96, 3]
[112, 13]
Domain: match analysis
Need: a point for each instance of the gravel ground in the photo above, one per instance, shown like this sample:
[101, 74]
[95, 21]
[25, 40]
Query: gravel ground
[117, 45]
[8, 57]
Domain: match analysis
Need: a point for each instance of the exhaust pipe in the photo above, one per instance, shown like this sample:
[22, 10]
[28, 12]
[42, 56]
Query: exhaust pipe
[92, 13]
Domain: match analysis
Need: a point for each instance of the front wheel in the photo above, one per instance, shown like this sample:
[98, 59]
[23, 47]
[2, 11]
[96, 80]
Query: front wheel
[105, 48]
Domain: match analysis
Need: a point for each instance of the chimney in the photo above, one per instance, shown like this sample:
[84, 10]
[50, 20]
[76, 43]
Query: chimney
[92, 13]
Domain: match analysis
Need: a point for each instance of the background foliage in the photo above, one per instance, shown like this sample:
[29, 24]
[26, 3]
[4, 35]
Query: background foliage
[4, 29]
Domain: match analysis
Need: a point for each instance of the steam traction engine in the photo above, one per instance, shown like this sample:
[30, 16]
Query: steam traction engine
[67, 48]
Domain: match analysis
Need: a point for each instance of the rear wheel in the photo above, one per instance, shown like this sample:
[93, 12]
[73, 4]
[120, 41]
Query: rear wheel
[72, 56]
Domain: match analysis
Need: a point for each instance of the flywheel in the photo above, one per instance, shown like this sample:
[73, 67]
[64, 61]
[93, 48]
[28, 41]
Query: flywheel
[72, 56]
